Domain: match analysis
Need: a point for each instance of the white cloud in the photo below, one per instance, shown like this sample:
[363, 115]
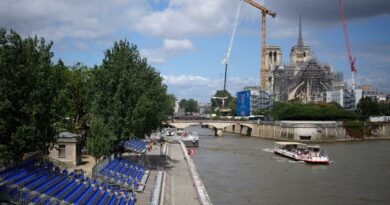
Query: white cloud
[183, 17]
[170, 47]
[74, 24]
[202, 88]
[56, 20]
[81, 46]
[185, 80]
[174, 45]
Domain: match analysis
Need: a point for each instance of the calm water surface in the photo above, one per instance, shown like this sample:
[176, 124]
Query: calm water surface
[243, 170]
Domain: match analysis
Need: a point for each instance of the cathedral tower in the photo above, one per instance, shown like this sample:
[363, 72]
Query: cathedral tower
[300, 53]
[273, 60]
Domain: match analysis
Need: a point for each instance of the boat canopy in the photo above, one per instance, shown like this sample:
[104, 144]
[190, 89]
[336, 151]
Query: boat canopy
[289, 143]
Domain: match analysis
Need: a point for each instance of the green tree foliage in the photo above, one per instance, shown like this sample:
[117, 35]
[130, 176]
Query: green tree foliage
[169, 108]
[367, 107]
[299, 111]
[230, 102]
[128, 93]
[189, 106]
[29, 85]
[73, 97]
[233, 106]
[384, 108]
[100, 139]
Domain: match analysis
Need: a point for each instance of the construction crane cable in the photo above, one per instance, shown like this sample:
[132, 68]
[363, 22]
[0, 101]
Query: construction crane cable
[229, 50]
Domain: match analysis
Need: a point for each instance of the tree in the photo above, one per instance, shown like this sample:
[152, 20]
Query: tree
[233, 106]
[169, 107]
[300, 111]
[384, 108]
[367, 107]
[230, 102]
[128, 93]
[73, 97]
[29, 85]
[190, 105]
[100, 139]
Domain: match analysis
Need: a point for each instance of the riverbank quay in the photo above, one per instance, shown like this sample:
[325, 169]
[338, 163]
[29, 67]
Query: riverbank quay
[164, 174]
[312, 131]
[182, 184]
[173, 178]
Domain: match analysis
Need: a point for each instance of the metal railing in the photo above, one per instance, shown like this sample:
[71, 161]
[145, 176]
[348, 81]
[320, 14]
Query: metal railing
[98, 167]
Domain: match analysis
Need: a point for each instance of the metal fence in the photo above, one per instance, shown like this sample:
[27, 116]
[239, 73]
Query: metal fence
[98, 167]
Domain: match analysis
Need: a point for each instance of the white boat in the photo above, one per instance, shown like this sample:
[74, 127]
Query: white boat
[289, 149]
[301, 152]
[189, 139]
[314, 155]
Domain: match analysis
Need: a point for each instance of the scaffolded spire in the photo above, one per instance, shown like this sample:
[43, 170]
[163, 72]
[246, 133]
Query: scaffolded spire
[300, 39]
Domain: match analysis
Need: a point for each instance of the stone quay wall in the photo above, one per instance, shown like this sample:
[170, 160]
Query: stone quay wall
[308, 130]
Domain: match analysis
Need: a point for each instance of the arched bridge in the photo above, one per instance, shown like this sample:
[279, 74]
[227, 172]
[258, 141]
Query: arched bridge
[218, 126]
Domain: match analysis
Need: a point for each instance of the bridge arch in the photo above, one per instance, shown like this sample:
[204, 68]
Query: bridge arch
[241, 128]
[218, 126]
[181, 125]
[246, 129]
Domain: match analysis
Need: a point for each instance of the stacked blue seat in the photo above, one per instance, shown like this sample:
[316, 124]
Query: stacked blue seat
[46, 184]
[135, 145]
[123, 173]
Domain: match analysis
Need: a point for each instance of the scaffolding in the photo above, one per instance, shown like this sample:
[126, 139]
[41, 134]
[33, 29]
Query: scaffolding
[305, 82]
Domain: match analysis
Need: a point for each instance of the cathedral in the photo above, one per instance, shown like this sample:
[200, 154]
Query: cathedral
[303, 79]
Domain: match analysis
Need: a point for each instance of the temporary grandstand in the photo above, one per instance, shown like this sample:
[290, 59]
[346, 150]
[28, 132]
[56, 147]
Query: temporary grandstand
[35, 182]
[135, 145]
[123, 174]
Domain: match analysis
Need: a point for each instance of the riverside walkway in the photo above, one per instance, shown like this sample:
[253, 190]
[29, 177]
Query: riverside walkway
[178, 187]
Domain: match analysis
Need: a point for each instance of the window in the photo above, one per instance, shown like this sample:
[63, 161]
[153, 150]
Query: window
[61, 151]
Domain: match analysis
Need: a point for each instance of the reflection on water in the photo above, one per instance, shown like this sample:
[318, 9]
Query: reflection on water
[267, 150]
[243, 170]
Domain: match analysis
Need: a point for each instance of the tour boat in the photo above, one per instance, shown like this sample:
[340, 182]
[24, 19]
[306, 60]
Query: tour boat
[289, 149]
[301, 152]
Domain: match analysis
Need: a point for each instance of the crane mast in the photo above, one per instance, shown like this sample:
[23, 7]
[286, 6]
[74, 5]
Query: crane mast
[229, 50]
[350, 57]
[264, 12]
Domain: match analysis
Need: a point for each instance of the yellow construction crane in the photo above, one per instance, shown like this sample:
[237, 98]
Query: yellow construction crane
[264, 12]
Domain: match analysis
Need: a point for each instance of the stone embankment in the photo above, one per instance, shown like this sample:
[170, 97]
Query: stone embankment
[311, 130]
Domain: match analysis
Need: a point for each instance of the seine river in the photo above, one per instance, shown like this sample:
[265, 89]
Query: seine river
[243, 170]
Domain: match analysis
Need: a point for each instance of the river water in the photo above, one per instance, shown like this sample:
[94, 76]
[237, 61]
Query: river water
[243, 170]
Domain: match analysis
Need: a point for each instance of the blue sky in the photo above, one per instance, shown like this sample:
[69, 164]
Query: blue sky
[187, 40]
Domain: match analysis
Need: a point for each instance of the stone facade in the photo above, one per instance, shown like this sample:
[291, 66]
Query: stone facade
[67, 149]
